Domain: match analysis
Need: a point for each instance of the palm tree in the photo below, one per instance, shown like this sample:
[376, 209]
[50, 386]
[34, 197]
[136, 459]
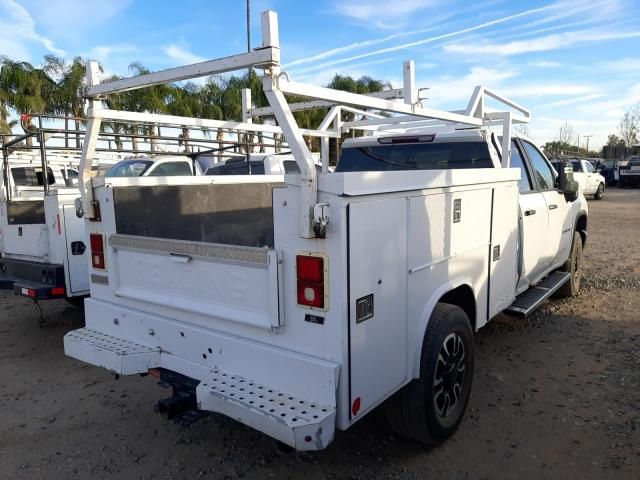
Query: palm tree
[69, 78]
[25, 89]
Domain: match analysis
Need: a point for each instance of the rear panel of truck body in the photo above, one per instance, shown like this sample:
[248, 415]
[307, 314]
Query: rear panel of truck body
[24, 232]
[210, 283]
[46, 231]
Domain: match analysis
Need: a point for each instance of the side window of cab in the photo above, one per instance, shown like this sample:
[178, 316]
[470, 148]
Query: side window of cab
[544, 175]
[517, 161]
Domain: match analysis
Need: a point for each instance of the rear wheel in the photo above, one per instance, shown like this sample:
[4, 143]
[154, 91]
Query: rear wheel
[599, 193]
[573, 265]
[431, 407]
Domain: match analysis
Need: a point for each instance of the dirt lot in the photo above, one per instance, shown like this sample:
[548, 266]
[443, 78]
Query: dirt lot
[556, 396]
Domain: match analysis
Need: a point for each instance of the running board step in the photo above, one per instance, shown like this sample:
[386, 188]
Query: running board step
[299, 423]
[528, 301]
[116, 354]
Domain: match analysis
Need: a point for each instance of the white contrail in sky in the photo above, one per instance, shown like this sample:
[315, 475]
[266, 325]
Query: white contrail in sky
[424, 41]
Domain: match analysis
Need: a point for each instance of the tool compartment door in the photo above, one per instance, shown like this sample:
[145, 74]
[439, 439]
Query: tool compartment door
[378, 299]
[77, 248]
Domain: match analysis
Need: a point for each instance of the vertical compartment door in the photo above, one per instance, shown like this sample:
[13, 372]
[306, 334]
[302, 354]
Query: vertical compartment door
[378, 300]
[77, 259]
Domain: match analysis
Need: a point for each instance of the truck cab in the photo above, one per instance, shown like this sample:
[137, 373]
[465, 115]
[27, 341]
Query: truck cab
[273, 164]
[544, 211]
[155, 166]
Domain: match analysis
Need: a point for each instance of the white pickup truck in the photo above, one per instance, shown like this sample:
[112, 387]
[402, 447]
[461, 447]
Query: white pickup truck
[298, 305]
[155, 166]
[589, 180]
[259, 164]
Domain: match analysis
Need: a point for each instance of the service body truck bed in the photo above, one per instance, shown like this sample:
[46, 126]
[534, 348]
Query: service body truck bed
[44, 250]
[298, 305]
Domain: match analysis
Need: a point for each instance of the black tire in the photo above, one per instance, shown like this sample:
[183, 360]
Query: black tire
[599, 193]
[573, 265]
[416, 411]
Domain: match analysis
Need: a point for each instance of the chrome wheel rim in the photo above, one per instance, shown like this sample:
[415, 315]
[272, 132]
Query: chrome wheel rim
[449, 375]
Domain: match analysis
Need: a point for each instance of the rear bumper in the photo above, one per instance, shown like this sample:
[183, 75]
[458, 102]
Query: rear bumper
[289, 396]
[630, 179]
[40, 281]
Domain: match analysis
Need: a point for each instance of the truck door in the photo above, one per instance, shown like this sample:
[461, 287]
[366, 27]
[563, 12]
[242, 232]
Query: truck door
[558, 236]
[77, 268]
[534, 223]
[592, 177]
[378, 299]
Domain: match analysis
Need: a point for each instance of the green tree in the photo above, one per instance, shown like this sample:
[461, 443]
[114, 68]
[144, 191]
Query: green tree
[66, 101]
[24, 89]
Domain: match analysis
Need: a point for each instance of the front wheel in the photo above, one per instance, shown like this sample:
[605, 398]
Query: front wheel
[431, 407]
[599, 193]
[573, 265]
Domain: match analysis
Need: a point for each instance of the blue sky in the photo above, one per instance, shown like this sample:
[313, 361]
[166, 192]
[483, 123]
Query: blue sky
[567, 60]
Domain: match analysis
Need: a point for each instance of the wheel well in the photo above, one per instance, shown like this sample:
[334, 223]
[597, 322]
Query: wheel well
[581, 228]
[464, 298]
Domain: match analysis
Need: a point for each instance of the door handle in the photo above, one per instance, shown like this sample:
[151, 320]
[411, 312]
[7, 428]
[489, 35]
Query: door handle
[528, 213]
[553, 207]
[179, 258]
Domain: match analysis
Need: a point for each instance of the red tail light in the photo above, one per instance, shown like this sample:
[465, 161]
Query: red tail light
[57, 291]
[97, 250]
[311, 278]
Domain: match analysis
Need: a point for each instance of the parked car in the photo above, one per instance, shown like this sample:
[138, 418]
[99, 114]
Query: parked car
[630, 173]
[590, 181]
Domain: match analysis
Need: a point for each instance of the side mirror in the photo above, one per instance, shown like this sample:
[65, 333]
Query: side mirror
[567, 185]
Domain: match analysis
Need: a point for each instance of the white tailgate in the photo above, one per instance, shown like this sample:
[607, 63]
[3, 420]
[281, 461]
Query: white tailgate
[26, 241]
[236, 284]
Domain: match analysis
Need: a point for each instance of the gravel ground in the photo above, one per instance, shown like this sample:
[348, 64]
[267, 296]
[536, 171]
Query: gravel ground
[555, 396]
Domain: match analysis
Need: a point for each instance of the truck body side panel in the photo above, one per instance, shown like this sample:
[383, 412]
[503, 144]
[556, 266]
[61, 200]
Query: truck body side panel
[76, 252]
[503, 251]
[377, 277]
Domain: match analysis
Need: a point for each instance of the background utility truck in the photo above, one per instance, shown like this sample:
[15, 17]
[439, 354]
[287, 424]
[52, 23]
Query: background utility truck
[42, 241]
[298, 306]
[43, 245]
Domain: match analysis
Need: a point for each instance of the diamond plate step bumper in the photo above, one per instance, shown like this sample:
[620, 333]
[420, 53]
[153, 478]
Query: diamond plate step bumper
[300, 423]
[115, 354]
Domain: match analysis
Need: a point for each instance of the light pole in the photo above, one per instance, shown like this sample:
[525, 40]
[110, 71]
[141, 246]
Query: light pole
[248, 25]
[588, 137]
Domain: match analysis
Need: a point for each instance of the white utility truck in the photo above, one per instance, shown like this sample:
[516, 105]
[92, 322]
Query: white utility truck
[42, 241]
[298, 304]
